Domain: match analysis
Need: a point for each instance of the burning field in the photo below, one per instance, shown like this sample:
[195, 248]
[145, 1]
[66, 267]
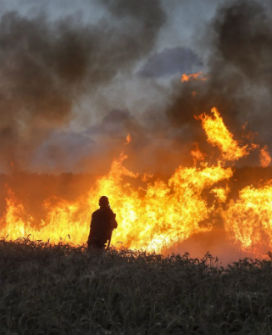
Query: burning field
[176, 136]
[165, 108]
[205, 201]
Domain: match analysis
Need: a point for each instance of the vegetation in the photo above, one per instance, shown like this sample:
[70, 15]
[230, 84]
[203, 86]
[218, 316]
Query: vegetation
[63, 290]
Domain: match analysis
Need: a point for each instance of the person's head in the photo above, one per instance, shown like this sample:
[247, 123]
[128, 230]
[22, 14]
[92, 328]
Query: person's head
[104, 201]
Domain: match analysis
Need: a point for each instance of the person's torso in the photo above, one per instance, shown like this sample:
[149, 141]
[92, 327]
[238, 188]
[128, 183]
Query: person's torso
[101, 223]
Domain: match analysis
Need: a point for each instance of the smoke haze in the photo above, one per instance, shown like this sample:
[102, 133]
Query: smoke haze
[73, 87]
[238, 78]
[46, 67]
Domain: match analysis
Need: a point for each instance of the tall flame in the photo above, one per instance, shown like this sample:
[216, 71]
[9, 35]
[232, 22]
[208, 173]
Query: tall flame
[249, 219]
[157, 213]
[151, 219]
[219, 135]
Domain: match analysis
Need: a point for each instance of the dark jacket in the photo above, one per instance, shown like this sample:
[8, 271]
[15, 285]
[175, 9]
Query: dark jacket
[102, 223]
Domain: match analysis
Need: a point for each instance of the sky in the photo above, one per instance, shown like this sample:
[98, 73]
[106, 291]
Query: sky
[78, 76]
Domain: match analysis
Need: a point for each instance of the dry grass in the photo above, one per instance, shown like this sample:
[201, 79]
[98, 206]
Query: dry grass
[62, 290]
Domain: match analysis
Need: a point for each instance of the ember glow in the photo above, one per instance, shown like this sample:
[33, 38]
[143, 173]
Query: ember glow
[153, 214]
[265, 158]
[192, 76]
[128, 138]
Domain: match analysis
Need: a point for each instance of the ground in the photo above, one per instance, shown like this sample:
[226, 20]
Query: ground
[62, 290]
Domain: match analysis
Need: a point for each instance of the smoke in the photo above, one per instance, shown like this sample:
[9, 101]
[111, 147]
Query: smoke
[172, 61]
[47, 66]
[238, 82]
[238, 78]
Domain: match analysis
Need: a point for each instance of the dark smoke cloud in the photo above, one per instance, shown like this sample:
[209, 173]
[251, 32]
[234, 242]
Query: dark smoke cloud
[171, 61]
[46, 66]
[239, 80]
[94, 149]
[62, 151]
[153, 148]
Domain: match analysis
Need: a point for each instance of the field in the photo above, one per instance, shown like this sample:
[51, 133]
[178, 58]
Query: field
[62, 290]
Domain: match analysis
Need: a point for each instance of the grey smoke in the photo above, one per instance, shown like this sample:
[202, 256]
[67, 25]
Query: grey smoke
[171, 61]
[65, 148]
[46, 66]
[239, 75]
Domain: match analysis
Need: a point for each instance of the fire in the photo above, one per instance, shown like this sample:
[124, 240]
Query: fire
[192, 76]
[197, 154]
[218, 135]
[128, 138]
[249, 219]
[158, 213]
[221, 193]
[265, 158]
[55, 227]
[167, 212]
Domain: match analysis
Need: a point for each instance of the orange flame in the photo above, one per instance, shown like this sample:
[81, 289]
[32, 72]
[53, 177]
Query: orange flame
[197, 154]
[159, 213]
[167, 212]
[128, 138]
[249, 219]
[192, 76]
[265, 158]
[218, 135]
[221, 193]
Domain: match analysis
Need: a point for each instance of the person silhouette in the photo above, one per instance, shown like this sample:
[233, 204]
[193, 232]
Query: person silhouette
[103, 222]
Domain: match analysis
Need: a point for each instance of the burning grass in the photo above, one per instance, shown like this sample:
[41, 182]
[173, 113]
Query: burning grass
[153, 213]
[60, 289]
